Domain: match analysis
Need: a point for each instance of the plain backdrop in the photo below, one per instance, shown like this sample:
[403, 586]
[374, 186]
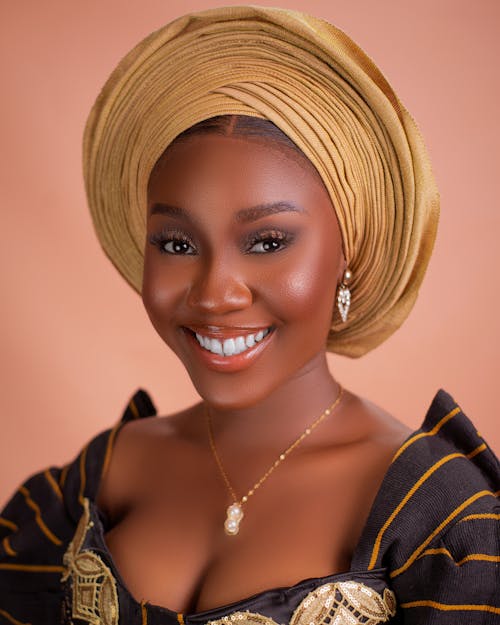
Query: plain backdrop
[75, 340]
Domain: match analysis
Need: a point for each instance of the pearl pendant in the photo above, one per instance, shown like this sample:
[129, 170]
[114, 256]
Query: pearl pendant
[232, 522]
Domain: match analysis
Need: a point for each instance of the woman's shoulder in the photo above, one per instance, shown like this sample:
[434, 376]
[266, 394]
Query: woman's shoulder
[141, 447]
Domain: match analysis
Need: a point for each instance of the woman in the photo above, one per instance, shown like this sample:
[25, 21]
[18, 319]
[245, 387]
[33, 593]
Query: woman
[253, 175]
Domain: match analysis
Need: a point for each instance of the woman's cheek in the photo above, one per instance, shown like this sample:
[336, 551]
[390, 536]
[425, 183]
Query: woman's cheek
[160, 294]
[307, 291]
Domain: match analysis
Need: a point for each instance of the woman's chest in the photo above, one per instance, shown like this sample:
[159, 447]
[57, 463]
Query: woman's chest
[172, 550]
[95, 592]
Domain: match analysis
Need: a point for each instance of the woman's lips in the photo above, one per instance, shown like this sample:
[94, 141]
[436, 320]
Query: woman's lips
[232, 353]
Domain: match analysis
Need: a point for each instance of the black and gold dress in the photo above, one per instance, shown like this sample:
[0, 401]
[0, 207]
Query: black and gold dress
[429, 552]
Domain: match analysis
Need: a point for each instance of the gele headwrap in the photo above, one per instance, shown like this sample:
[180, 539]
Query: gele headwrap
[319, 88]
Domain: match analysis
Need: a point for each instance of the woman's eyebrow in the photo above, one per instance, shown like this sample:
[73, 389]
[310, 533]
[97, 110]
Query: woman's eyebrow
[263, 210]
[245, 215]
[168, 210]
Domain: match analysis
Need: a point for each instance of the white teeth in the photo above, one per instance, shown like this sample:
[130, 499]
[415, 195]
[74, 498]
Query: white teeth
[239, 342]
[231, 346]
[216, 346]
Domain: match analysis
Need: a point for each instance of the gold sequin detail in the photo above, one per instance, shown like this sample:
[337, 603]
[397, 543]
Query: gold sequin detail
[340, 603]
[94, 599]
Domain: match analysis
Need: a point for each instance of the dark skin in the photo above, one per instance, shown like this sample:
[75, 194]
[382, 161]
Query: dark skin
[224, 273]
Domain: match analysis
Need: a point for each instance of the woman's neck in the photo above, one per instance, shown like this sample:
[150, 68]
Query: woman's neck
[281, 416]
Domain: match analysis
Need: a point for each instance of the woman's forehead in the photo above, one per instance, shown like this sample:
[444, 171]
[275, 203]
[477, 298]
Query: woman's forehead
[211, 144]
[246, 172]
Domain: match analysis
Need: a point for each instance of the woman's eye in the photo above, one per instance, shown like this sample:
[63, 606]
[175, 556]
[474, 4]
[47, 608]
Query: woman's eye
[172, 244]
[178, 246]
[269, 243]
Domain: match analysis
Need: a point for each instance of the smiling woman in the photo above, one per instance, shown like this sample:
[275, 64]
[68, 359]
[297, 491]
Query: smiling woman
[242, 257]
[275, 203]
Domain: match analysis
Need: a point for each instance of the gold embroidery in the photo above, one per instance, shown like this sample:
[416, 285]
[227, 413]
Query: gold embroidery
[244, 618]
[94, 596]
[340, 603]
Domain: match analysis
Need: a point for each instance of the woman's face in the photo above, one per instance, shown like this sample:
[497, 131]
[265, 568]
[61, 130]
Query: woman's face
[242, 258]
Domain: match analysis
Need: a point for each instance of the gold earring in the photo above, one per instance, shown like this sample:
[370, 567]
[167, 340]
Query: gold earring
[344, 295]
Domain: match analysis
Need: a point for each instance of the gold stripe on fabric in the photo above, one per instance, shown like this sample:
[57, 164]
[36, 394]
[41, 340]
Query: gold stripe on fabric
[9, 524]
[404, 501]
[32, 568]
[10, 618]
[448, 607]
[144, 613]
[62, 477]
[434, 430]
[450, 517]
[134, 410]
[38, 516]
[8, 548]
[54, 485]
[180, 618]
[83, 477]
[484, 557]
[476, 451]
[483, 515]
[432, 552]
[109, 449]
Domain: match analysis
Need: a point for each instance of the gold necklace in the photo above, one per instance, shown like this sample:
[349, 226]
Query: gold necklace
[235, 510]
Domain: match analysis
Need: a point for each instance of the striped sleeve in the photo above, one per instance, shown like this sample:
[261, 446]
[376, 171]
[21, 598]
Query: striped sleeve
[456, 578]
[435, 525]
[39, 521]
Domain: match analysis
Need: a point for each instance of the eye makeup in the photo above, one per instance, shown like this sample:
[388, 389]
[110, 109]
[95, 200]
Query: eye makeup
[176, 237]
[270, 240]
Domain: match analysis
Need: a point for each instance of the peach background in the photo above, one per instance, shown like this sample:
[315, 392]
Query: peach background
[76, 342]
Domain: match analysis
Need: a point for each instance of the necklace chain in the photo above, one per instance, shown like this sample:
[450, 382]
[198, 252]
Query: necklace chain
[234, 512]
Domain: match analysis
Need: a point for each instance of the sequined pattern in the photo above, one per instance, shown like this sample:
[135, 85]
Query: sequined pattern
[340, 603]
[94, 599]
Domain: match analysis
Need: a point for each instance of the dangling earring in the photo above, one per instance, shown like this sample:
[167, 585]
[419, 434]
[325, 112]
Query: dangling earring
[344, 295]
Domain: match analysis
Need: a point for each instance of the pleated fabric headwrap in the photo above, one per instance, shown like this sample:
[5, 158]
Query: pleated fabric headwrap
[319, 88]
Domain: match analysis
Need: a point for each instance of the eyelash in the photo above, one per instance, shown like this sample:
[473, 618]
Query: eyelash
[284, 239]
[160, 239]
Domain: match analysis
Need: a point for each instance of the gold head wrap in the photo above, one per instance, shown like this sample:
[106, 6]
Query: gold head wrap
[322, 91]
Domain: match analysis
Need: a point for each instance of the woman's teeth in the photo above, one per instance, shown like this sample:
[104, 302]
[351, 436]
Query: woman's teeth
[231, 347]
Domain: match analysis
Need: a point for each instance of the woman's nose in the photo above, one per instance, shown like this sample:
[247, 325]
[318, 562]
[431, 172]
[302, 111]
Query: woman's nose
[216, 289]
